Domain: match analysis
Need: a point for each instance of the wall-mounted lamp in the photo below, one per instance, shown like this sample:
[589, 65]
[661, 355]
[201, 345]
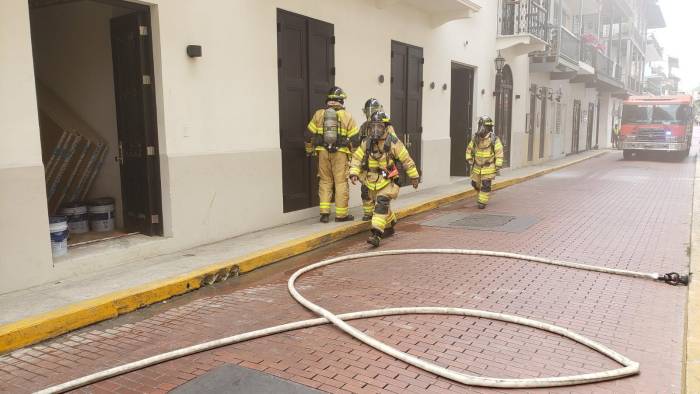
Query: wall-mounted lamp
[194, 50]
[499, 62]
[550, 94]
[559, 94]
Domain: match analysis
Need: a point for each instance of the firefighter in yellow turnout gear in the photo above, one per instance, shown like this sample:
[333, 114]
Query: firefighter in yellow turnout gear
[485, 158]
[331, 132]
[375, 162]
[372, 105]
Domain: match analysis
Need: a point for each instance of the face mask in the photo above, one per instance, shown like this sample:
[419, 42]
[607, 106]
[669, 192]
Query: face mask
[376, 130]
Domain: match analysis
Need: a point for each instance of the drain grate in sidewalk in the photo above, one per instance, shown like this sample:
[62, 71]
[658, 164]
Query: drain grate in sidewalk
[483, 221]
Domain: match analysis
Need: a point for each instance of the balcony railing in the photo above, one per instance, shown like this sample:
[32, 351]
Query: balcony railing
[524, 17]
[588, 54]
[634, 84]
[569, 45]
[604, 65]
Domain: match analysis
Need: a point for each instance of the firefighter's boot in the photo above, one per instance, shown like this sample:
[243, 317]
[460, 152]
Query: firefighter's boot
[481, 205]
[325, 217]
[348, 218]
[375, 238]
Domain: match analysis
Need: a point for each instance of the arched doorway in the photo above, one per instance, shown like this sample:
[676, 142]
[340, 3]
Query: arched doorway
[504, 110]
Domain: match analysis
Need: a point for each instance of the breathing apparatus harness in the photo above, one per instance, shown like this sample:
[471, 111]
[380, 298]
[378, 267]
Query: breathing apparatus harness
[331, 139]
[391, 173]
[475, 141]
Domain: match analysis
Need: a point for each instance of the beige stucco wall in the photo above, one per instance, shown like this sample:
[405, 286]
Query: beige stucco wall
[25, 254]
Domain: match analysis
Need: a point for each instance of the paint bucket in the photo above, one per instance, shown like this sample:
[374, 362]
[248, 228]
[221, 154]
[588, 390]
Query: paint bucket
[101, 214]
[77, 215]
[58, 227]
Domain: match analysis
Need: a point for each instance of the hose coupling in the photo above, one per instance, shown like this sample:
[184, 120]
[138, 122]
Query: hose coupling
[675, 279]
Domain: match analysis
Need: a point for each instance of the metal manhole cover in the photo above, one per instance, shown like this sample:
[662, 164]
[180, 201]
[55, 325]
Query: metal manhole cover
[238, 380]
[489, 221]
[483, 221]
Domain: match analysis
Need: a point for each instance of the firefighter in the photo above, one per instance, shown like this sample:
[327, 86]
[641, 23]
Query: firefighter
[485, 158]
[331, 131]
[372, 105]
[375, 163]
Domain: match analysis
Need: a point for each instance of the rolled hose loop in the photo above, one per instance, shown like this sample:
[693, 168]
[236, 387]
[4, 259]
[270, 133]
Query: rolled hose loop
[628, 368]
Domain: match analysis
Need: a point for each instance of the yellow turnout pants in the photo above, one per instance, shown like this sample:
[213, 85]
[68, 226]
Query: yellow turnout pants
[333, 174]
[383, 216]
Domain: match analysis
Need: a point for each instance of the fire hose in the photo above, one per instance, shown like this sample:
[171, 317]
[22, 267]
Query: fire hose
[628, 368]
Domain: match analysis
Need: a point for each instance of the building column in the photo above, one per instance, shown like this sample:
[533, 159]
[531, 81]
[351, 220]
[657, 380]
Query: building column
[25, 252]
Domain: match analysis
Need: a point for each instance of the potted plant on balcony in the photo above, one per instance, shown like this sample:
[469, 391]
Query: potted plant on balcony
[593, 41]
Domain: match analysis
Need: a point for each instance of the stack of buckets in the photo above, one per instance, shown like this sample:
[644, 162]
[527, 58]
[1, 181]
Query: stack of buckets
[79, 218]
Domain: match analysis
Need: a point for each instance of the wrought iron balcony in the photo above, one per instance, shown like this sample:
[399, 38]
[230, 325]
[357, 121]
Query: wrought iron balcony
[518, 17]
[569, 45]
[604, 65]
[634, 84]
[588, 54]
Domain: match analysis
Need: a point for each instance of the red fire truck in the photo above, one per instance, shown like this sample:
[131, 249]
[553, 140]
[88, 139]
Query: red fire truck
[657, 123]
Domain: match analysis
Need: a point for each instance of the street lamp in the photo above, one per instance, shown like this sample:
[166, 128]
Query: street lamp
[500, 62]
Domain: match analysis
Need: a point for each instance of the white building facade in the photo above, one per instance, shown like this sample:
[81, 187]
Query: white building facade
[200, 108]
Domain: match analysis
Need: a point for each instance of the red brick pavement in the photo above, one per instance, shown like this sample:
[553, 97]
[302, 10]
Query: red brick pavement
[632, 215]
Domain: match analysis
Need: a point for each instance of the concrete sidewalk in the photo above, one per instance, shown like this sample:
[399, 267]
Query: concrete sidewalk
[45, 311]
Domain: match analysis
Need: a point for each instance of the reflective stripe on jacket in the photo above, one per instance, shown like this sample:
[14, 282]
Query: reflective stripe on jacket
[381, 162]
[485, 156]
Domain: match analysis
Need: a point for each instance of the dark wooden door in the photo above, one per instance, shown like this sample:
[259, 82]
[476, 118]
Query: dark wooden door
[532, 123]
[305, 51]
[407, 97]
[543, 120]
[136, 123]
[504, 112]
[461, 117]
[576, 127]
[589, 129]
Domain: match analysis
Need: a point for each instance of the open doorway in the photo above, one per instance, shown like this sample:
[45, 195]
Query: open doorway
[461, 116]
[93, 65]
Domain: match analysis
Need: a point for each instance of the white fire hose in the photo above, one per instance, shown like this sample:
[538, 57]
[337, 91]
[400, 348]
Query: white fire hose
[628, 368]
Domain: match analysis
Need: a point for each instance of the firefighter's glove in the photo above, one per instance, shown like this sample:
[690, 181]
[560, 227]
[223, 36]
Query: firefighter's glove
[415, 182]
[354, 179]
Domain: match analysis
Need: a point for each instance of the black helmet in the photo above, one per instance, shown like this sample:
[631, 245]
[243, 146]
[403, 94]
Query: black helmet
[485, 126]
[371, 106]
[337, 94]
[485, 121]
[379, 116]
[378, 122]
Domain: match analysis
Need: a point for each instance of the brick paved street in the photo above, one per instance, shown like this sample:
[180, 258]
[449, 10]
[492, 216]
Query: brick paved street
[632, 215]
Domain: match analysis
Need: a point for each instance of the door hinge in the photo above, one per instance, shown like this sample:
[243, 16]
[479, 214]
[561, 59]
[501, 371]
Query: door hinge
[146, 79]
[279, 27]
[422, 83]
[422, 60]
[392, 54]
[143, 30]
[332, 40]
[150, 150]
[332, 70]
[155, 219]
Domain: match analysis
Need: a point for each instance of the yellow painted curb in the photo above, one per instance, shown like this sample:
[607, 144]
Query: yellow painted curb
[62, 320]
[691, 366]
